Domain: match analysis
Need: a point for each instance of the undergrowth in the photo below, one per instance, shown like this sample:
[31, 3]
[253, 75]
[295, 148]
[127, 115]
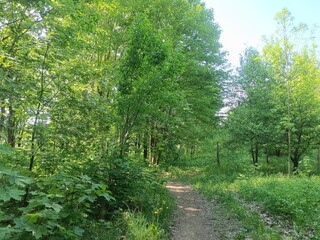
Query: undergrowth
[268, 203]
[109, 199]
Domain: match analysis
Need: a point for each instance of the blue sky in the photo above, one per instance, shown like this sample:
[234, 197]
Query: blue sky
[244, 22]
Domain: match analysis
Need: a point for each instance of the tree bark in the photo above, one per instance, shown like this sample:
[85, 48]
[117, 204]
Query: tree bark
[2, 112]
[252, 155]
[145, 146]
[267, 155]
[278, 152]
[255, 154]
[218, 154]
[153, 145]
[192, 151]
[11, 126]
[145, 151]
[318, 157]
[295, 160]
[158, 158]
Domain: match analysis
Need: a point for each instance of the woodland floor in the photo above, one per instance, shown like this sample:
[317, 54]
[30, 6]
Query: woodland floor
[198, 219]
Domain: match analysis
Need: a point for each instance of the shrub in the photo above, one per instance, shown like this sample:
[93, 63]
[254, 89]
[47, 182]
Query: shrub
[52, 207]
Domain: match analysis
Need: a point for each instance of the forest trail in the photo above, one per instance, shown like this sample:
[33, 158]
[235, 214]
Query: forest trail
[197, 219]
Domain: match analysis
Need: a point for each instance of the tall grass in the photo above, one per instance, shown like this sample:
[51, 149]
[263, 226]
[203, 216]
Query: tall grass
[295, 199]
[139, 228]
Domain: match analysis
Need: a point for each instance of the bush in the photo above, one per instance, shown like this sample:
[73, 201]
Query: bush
[52, 207]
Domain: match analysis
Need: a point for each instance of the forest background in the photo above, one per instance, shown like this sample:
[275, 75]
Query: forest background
[96, 95]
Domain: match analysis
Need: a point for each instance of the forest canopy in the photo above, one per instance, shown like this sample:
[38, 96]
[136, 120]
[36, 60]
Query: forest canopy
[95, 95]
[91, 93]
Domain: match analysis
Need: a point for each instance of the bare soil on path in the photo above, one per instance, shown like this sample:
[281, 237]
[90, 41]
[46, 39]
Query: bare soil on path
[198, 219]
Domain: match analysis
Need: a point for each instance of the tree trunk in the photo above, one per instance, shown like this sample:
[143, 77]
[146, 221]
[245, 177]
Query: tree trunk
[255, 154]
[145, 151]
[289, 152]
[295, 157]
[278, 152]
[158, 157]
[2, 115]
[192, 151]
[267, 155]
[123, 144]
[218, 154]
[153, 145]
[295, 160]
[318, 157]
[145, 146]
[11, 126]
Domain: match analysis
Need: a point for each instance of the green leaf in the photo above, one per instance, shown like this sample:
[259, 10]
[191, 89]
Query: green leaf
[7, 171]
[2, 216]
[6, 149]
[86, 197]
[107, 196]
[22, 180]
[78, 231]
[81, 199]
[32, 217]
[4, 232]
[56, 207]
[16, 193]
[4, 196]
[85, 178]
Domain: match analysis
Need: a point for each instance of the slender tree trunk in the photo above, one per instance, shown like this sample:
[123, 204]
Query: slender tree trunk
[295, 160]
[11, 126]
[153, 145]
[253, 156]
[278, 152]
[192, 151]
[256, 154]
[2, 115]
[318, 157]
[123, 143]
[267, 155]
[38, 111]
[158, 157]
[218, 154]
[289, 149]
[145, 148]
[33, 138]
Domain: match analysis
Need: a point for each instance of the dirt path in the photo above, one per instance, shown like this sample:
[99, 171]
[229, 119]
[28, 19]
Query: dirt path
[198, 219]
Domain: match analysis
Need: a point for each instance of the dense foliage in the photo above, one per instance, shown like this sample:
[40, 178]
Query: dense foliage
[279, 111]
[91, 94]
[96, 94]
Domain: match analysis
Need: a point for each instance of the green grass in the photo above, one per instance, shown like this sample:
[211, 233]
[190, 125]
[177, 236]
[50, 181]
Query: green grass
[137, 224]
[139, 228]
[293, 201]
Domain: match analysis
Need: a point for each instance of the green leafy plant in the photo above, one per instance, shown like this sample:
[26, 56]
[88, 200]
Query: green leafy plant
[55, 206]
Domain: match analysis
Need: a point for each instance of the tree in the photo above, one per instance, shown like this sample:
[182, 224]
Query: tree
[253, 121]
[296, 72]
